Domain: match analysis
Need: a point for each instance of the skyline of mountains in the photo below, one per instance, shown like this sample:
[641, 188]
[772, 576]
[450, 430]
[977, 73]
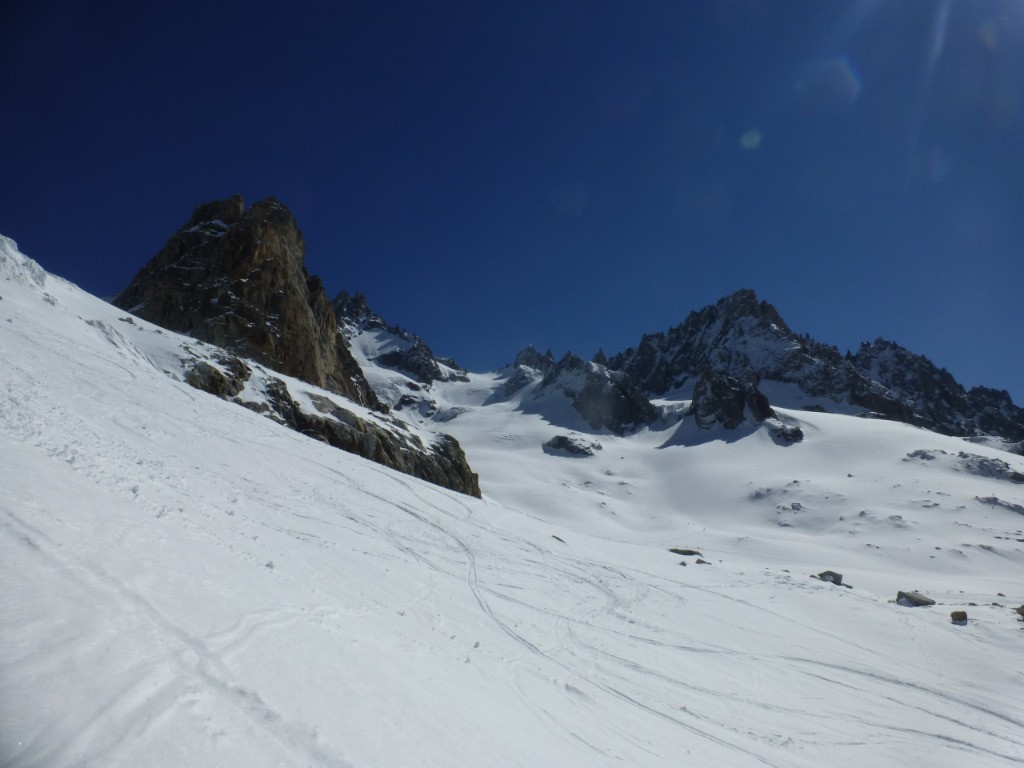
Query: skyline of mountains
[235, 277]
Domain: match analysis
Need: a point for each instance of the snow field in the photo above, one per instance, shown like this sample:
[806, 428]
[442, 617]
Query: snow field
[186, 583]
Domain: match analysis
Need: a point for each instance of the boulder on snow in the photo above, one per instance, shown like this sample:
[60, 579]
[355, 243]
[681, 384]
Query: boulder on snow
[571, 445]
[208, 378]
[782, 433]
[1020, 611]
[831, 576]
[685, 552]
[913, 599]
[958, 617]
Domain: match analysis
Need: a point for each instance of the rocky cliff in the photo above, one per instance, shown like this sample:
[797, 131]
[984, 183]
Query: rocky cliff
[235, 278]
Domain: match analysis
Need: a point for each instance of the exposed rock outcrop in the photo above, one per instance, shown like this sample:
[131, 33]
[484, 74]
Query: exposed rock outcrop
[571, 445]
[235, 278]
[532, 358]
[442, 462]
[605, 399]
[721, 399]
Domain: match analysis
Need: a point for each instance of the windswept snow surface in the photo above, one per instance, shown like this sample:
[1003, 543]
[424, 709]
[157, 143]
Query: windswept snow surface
[186, 583]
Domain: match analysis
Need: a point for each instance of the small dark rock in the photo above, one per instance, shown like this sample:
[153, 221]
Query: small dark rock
[913, 599]
[958, 617]
[702, 561]
[835, 578]
[679, 551]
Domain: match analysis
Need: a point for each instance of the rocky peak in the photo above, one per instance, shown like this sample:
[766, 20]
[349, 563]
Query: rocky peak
[235, 278]
[734, 336]
[934, 397]
[532, 358]
[747, 340]
[353, 309]
[408, 352]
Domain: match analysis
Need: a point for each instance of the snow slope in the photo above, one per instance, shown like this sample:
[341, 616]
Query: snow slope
[187, 583]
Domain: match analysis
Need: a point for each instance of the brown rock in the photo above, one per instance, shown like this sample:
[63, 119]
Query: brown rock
[236, 279]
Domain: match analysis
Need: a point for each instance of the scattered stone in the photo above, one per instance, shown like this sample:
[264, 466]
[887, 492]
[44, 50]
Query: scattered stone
[913, 599]
[1020, 611]
[686, 552]
[958, 617]
[557, 538]
[702, 561]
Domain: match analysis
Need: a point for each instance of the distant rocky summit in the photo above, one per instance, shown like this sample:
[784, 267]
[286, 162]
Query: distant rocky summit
[410, 354]
[746, 340]
[235, 278]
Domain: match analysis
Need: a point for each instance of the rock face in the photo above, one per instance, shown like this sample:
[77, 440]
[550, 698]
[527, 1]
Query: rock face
[721, 399]
[235, 278]
[442, 462]
[747, 340]
[605, 399]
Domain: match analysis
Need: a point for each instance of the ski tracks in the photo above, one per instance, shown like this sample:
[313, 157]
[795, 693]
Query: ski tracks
[179, 666]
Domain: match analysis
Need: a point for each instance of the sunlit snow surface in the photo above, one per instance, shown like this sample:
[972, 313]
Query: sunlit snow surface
[186, 583]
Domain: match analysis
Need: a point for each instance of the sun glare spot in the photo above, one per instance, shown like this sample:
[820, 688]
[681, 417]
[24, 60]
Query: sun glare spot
[751, 139]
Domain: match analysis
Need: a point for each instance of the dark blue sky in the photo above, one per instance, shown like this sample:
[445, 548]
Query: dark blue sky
[567, 174]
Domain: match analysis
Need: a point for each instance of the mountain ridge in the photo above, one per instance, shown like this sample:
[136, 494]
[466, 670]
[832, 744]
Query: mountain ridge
[235, 277]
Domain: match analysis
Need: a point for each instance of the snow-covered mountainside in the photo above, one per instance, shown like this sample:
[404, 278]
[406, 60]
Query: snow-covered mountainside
[187, 583]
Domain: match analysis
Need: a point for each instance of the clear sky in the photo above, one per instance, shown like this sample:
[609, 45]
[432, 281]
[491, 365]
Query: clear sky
[567, 174]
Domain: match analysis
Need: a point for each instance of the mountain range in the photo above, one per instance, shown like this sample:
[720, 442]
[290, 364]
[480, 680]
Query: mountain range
[731, 544]
[235, 278]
